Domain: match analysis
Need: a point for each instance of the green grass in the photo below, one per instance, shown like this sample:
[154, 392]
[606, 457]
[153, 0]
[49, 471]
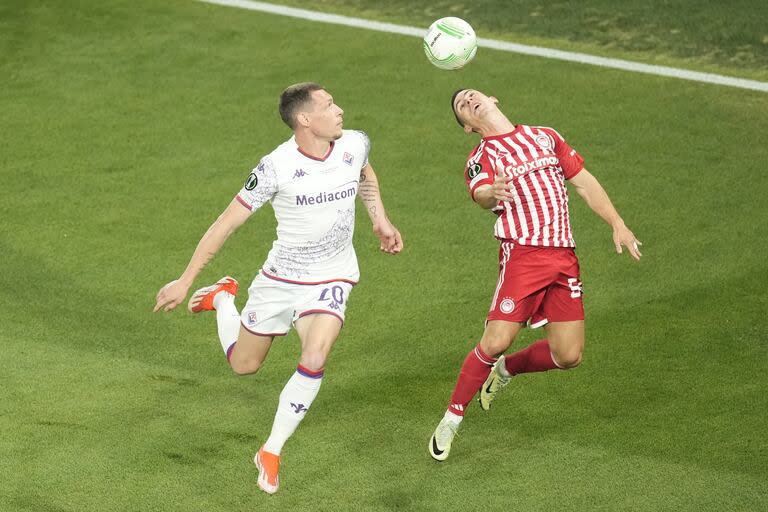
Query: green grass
[127, 126]
[720, 37]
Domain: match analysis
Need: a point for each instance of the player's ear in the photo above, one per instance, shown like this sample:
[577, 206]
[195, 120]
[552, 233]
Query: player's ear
[468, 129]
[302, 119]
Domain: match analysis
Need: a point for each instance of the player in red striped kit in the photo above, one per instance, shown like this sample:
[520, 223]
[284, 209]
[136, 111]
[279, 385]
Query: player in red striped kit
[519, 173]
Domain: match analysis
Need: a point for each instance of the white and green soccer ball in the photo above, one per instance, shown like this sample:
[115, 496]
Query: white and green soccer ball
[450, 43]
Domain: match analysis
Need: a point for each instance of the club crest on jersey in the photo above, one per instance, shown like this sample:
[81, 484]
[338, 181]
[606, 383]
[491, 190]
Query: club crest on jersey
[348, 158]
[251, 318]
[474, 170]
[507, 306]
[543, 141]
[252, 181]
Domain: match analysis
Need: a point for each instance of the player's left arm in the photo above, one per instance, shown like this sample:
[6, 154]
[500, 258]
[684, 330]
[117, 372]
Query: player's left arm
[387, 233]
[597, 199]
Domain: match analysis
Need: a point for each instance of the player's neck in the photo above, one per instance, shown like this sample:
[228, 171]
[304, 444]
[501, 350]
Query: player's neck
[496, 125]
[309, 144]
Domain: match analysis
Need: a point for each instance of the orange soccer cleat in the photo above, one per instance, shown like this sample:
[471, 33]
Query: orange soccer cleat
[269, 465]
[202, 299]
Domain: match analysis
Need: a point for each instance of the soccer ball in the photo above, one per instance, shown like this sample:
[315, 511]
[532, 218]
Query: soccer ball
[450, 43]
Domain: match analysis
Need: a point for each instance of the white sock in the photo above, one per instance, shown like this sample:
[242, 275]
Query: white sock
[503, 369]
[227, 318]
[453, 418]
[295, 399]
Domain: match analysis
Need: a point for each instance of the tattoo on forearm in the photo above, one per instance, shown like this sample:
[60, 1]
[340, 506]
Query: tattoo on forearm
[369, 194]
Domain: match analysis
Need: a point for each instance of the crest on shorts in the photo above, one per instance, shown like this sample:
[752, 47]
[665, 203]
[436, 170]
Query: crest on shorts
[543, 141]
[251, 317]
[507, 305]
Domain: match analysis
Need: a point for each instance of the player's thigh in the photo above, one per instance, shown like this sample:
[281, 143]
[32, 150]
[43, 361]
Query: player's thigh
[249, 352]
[317, 332]
[566, 341]
[498, 336]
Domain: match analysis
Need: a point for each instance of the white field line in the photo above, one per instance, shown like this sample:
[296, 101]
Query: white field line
[538, 51]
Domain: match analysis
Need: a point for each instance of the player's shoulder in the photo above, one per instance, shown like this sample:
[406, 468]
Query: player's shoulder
[546, 130]
[285, 154]
[477, 152]
[354, 137]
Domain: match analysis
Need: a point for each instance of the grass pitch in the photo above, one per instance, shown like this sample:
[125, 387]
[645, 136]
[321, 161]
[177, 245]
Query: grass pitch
[127, 126]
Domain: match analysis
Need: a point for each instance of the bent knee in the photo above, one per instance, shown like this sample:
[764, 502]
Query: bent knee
[495, 345]
[569, 359]
[245, 367]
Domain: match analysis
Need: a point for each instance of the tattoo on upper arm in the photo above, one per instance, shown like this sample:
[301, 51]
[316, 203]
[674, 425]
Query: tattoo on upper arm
[362, 176]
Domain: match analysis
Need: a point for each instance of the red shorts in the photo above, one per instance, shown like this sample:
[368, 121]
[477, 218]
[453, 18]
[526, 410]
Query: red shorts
[540, 284]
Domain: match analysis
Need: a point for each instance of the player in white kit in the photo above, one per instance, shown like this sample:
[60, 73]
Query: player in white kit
[311, 180]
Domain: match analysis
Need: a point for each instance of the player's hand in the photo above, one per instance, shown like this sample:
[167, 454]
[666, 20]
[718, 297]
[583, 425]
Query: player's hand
[501, 188]
[623, 236]
[171, 295]
[389, 237]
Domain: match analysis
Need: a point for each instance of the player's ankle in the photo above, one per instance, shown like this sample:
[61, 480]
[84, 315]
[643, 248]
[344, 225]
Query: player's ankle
[220, 297]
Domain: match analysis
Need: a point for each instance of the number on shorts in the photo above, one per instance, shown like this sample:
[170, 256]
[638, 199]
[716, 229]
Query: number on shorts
[337, 294]
[575, 286]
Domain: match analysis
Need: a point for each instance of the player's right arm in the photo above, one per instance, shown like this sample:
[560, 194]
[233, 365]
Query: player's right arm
[175, 292]
[487, 186]
[488, 196]
[260, 187]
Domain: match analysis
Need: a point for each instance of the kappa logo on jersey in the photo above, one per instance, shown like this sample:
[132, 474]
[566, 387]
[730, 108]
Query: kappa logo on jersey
[348, 158]
[474, 170]
[543, 141]
[252, 181]
[507, 305]
[300, 173]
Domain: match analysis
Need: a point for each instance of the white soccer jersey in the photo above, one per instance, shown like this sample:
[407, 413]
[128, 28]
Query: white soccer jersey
[314, 203]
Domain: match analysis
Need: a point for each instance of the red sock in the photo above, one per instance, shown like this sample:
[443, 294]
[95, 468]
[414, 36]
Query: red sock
[534, 358]
[474, 371]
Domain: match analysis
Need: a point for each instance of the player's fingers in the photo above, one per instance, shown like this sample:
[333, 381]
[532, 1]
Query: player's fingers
[619, 250]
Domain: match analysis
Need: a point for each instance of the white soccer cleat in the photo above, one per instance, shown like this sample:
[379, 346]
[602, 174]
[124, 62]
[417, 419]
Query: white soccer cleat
[492, 385]
[440, 443]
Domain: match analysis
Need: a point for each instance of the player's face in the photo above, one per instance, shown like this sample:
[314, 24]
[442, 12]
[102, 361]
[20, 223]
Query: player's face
[326, 118]
[472, 107]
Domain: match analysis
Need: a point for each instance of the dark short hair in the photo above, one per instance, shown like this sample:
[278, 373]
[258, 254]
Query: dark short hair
[295, 97]
[455, 114]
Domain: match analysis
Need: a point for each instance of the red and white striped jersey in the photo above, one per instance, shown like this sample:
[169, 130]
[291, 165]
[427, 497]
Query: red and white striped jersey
[538, 160]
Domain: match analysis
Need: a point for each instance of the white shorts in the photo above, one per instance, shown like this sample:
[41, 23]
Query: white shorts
[274, 305]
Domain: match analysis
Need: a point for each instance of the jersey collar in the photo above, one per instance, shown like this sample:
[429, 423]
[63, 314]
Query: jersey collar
[324, 158]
